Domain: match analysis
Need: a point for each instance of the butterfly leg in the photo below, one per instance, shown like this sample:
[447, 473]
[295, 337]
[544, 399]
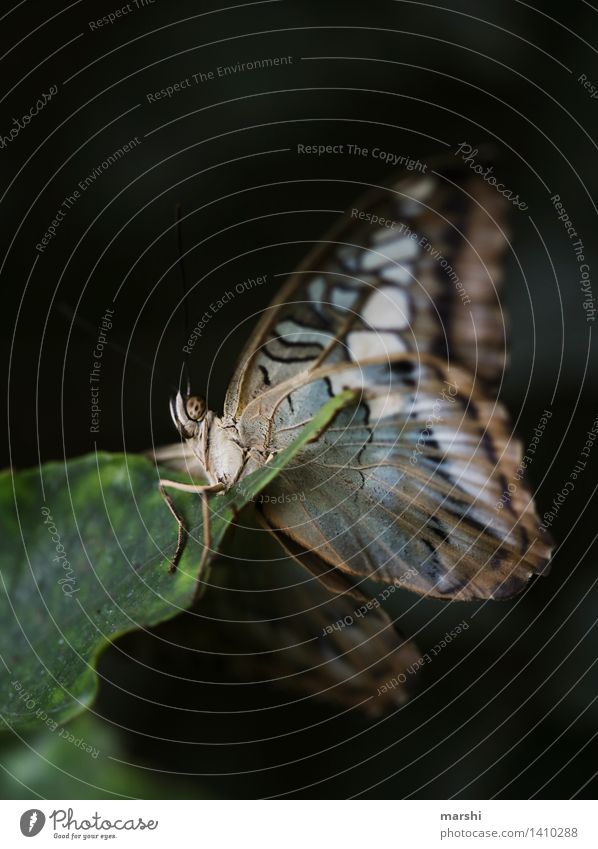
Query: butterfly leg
[182, 531]
[203, 491]
[207, 534]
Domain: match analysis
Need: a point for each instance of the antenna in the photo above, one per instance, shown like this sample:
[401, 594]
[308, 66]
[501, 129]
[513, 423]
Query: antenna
[91, 330]
[184, 378]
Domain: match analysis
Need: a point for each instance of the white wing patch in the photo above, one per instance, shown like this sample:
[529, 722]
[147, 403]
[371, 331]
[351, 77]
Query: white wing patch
[393, 249]
[316, 289]
[387, 406]
[401, 274]
[422, 188]
[387, 309]
[369, 343]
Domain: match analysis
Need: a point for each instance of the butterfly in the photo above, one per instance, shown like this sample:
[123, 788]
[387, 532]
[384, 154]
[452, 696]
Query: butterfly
[405, 487]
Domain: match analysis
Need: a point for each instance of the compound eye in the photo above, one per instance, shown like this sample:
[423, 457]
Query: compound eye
[195, 407]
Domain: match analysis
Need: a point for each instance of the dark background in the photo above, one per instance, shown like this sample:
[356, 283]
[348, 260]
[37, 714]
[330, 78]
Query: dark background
[510, 709]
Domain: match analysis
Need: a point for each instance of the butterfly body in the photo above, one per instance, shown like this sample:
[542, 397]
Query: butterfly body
[224, 455]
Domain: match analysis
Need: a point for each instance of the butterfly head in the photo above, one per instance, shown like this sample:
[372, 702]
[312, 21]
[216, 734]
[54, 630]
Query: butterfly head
[187, 411]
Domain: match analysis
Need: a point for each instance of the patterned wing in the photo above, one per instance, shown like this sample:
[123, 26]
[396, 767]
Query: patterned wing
[414, 267]
[275, 623]
[408, 487]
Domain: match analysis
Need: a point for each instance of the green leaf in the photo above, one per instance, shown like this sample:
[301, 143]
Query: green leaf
[85, 548]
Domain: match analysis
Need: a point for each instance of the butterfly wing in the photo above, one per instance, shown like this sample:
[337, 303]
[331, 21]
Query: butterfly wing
[414, 267]
[274, 622]
[409, 485]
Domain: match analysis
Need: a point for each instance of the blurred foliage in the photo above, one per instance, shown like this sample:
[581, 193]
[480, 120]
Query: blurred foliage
[57, 765]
